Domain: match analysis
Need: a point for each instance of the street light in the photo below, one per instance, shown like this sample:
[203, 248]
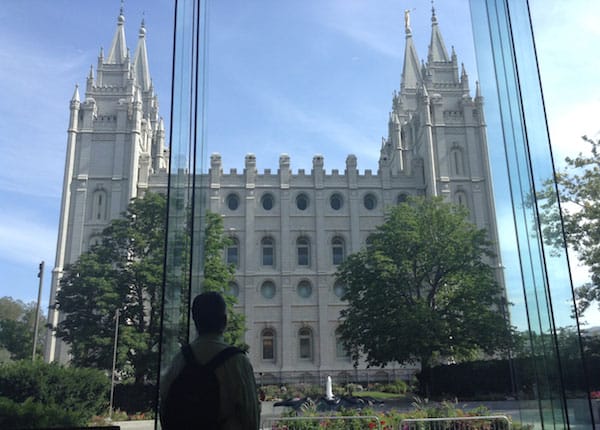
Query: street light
[114, 364]
[37, 310]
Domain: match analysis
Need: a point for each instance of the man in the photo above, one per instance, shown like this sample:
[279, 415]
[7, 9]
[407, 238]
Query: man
[238, 406]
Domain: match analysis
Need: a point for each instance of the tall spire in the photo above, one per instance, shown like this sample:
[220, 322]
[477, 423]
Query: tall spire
[118, 48]
[437, 48]
[140, 61]
[411, 71]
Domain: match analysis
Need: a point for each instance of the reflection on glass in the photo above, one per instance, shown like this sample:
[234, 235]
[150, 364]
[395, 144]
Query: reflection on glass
[315, 78]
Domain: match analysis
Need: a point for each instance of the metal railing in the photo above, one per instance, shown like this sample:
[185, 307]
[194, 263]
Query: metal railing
[293, 423]
[491, 422]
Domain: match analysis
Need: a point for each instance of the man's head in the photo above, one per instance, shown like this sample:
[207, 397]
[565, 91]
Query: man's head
[209, 312]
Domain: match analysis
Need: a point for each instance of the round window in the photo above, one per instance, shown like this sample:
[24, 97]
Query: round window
[233, 201]
[267, 290]
[370, 201]
[336, 201]
[339, 289]
[402, 198]
[304, 289]
[267, 202]
[302, 201]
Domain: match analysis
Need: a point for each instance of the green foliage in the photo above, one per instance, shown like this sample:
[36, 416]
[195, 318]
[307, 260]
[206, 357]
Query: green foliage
[32, 414]
[124, 272]
[579, 190]
[218, 275]
[39, 394]
[422, 289]
[17, 321]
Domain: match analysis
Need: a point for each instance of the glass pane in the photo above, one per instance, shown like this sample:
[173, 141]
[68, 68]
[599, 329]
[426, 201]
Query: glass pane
[465, 121]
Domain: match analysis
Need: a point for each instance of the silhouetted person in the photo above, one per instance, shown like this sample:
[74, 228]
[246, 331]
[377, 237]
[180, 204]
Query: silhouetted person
[210, 384]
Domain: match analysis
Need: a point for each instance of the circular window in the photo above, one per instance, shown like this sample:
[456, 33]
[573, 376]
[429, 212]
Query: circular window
[370, 201]
[267, 290]
[304, 289]
[267, 202]
[401, 198]
[339, 289]
[233, 201]
[233, 289]
[302, 201]
[336, 201]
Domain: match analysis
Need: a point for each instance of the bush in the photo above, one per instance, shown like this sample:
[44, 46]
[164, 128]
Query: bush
[34, 414]
[396, 387]
[69, 395]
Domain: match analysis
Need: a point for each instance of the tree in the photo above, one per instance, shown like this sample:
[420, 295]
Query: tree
[422, 289]
[218, 275]
[124, 272]
[579, 190]
[17, 321]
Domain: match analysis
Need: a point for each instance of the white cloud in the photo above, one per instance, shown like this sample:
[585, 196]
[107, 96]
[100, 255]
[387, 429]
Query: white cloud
[24, 240]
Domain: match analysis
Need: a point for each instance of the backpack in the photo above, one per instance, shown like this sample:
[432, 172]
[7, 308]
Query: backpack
[193, 399]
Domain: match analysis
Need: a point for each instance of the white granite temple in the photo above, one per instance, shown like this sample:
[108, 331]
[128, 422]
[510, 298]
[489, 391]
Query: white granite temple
[290, 229]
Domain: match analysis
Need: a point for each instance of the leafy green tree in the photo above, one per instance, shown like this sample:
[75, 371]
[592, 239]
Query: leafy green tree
[422, 289]
[17, 321]
[579, 190]
[124, 272]
[218, 275]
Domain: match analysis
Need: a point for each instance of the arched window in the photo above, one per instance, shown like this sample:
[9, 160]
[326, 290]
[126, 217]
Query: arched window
[233, 252]
[340, 350]
[305, 340]
[460, 198]
[303, 249]
[337, 249]
[99, 206]
[267, 246]
[268, 344]
[457, 160]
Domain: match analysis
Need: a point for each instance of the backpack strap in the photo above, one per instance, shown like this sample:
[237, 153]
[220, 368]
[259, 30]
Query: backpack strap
[220, 358]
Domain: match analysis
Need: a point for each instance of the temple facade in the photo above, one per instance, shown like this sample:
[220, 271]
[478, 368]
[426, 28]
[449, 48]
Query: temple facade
[290, 230]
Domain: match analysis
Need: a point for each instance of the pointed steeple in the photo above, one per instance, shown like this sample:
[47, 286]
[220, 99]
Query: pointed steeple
[75, 97]
[437, 48]
[141, 70]
[118, 48]
[411, 71]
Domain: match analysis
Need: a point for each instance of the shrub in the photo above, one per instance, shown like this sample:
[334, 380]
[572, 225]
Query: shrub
[396, 387]
[68, 395]
[34, 414]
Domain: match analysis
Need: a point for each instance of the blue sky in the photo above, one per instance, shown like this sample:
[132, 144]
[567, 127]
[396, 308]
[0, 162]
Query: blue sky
[297, 77]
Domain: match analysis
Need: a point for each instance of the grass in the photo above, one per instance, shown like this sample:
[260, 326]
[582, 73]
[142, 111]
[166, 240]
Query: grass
[379, 395]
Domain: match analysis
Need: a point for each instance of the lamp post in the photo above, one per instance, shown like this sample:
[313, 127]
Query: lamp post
[114, 365]
[37, 310]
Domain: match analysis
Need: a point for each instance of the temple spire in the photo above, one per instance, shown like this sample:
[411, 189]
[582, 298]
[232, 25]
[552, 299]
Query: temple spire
[75, 97]
[118, 48]
[411, 71]
[141, 70]
[437, 48]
